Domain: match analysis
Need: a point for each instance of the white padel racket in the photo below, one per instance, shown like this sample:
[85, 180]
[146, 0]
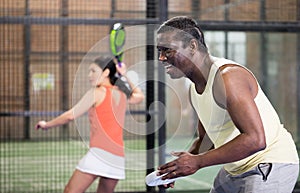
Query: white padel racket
[153, 180]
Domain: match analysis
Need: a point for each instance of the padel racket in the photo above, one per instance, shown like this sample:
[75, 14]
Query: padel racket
[117, 40]
[153, 180]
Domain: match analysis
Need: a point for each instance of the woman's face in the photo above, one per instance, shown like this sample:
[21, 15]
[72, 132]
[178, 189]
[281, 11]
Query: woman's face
[95, 75]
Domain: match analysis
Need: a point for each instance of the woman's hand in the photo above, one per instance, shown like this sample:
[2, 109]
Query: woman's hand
[41, 125]
[121, 69]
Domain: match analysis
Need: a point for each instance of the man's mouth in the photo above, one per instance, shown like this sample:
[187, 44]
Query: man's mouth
[167, 66]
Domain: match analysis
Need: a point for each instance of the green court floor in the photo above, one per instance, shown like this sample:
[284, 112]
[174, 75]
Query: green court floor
[47, 166]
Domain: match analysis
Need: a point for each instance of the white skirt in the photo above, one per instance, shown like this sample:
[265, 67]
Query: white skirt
[102, 163]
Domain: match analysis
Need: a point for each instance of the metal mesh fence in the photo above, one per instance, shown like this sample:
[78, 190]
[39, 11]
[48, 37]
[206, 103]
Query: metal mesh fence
[43, 46]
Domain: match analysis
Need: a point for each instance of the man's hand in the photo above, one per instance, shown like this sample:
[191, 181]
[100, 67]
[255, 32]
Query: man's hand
[166, 186]
[186, 164]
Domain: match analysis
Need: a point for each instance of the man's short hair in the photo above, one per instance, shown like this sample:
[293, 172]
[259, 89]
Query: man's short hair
[186, 29]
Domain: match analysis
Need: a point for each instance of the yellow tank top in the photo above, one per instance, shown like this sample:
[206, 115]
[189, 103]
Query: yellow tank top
[221, 129]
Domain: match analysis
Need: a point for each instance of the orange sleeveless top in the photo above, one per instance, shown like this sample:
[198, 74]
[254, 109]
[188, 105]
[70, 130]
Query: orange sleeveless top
[106, 123]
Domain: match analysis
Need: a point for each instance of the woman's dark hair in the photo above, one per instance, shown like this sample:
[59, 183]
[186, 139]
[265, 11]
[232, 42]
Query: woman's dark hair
[186, 28]
[108, 63]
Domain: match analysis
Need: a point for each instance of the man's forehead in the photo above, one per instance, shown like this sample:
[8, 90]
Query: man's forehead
[165, 35]
[167, 45]
[167, 40]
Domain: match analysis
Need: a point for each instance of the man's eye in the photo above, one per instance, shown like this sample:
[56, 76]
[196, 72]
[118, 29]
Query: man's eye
[166, 51]
[169, 52]
[162, 49]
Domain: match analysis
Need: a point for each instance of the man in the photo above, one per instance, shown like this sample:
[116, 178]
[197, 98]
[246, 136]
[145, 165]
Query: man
[257, 152]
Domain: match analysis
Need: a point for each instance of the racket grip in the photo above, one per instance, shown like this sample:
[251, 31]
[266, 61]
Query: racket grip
[119, 60]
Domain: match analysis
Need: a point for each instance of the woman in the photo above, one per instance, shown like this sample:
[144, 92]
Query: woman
[105, 103]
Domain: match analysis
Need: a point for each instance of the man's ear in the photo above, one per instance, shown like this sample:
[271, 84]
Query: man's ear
[193, 46]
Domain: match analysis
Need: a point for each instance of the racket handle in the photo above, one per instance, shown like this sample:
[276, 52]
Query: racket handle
[120, 65]
[119, 60]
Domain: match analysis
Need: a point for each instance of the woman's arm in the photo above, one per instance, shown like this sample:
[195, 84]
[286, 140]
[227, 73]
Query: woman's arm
[137, 95]
[85, 103]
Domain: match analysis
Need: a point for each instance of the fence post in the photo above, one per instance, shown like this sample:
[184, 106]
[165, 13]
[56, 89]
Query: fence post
[26, 75]
[150, 117]
[64, 67]
[298, 74]
[163, 16]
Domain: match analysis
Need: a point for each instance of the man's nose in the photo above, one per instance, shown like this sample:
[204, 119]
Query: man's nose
[162, 56]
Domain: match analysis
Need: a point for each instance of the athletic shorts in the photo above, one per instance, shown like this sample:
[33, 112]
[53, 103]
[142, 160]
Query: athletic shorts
[264, 178]
[102, 163]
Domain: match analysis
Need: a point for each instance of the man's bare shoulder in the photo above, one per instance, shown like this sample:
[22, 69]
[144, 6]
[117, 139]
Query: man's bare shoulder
[237, 78]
